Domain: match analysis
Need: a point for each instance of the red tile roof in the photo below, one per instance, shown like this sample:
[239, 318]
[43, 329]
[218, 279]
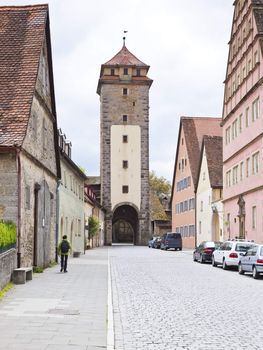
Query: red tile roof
[214, 155]
[125, 58]
[22, 31]
[194, 129]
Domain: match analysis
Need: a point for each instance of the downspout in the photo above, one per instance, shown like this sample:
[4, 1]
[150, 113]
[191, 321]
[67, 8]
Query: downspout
[57, 218]
[195, 221]
[18, 161]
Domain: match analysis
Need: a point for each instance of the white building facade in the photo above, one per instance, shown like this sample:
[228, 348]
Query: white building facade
[209, 206]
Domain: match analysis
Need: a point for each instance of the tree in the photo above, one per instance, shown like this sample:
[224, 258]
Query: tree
[159, 189]
[94, 226]
[159, 185]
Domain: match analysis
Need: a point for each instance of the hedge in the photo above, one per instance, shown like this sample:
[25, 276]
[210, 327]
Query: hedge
[7, 235]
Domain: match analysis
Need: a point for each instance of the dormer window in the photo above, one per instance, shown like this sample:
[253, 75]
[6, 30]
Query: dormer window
[112, 71]
[138, 72]
[125, 71]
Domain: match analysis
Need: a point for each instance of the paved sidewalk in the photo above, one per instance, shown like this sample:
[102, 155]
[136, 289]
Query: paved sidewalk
[58, 311]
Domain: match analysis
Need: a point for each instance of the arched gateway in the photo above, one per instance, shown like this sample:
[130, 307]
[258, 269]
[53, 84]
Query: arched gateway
[124, 96]
[125, 225]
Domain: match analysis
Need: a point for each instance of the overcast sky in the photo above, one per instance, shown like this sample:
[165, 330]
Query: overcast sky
[184, 42]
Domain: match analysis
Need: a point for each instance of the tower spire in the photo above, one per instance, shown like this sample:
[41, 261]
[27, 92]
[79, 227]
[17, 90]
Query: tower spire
[124, 38]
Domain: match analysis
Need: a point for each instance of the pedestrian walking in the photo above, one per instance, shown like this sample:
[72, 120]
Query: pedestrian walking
[63, 250]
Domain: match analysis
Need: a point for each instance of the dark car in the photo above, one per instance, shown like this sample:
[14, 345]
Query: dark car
[171, 240]
[204, 251]
[157, 243]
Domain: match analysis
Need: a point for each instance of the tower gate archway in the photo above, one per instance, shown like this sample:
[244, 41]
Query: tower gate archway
[125, 225]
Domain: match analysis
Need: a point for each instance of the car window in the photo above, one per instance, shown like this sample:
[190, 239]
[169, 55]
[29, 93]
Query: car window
[249, 252]
[243, 247]
[254, 250]
[209, 244]
[173, 235]
[228, 246]
[223, 246]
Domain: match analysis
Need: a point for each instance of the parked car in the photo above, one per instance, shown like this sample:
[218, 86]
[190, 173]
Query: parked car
[150, 242]
[230, 252]
[157, 243]
[204, 251]
[252, 261]
[171, 240]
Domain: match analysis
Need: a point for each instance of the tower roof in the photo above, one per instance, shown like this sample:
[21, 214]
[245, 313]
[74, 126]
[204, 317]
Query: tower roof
[125, 58]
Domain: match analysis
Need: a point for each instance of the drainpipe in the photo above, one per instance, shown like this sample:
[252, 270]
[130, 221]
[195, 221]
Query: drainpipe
[18, 161]
[57, 218]
[195, 222]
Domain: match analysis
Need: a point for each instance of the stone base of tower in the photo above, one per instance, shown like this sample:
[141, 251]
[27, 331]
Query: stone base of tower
[122, 227]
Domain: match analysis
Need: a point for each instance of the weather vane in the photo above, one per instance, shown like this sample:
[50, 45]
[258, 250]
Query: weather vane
[124, 38]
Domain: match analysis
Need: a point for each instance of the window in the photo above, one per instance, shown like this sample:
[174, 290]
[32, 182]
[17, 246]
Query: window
[34, 125]
[228, 133]
[124, 118]
[204, 176]
[125, 164]
[44, 135]
[234, 129]
[249, 66]
[244, 72]
[247, 167]
[124, 91]
[133, 103]
[125, 138]
[235, 175]
[125, 71]
[138, 72]
[27, 197]
[186, 205]
[247, 117]
[185, 162]
[200, 227]
[255, 163]
[255, 110]
[241, 171]
[240, 123]
[182, 141]
[228, 178]
[125, 189]
[255, 57]
[112, 71]
[254, 217]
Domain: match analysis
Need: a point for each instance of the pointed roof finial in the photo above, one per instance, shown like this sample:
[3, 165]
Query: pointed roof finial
[124, 38]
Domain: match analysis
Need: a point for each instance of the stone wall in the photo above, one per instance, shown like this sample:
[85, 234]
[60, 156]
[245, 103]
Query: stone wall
[8, 186]
[7, 265]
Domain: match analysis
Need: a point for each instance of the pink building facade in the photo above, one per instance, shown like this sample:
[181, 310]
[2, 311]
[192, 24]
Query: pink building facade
[243, 125]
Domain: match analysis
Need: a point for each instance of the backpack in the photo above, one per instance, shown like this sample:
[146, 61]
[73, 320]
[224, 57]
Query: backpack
[64, 247]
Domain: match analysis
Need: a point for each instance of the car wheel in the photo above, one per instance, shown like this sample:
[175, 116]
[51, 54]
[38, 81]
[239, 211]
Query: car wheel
[225, 267]
[213, 262]
[194, 258]
[201, 259]
[240, 270]
[166, 248]
[255, 274]
[180, 248]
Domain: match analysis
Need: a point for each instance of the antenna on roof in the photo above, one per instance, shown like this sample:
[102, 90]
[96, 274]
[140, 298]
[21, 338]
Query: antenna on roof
[124, 38]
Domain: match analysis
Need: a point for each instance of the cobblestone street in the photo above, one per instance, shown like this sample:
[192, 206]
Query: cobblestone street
[163, 300]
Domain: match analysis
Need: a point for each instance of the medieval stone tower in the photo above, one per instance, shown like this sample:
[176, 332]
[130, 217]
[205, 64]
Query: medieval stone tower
[124, 161]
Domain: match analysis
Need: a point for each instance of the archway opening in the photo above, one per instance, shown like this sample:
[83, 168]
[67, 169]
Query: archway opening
[124, 225]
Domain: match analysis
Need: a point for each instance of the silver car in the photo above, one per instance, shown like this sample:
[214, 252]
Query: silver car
[252, 261]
